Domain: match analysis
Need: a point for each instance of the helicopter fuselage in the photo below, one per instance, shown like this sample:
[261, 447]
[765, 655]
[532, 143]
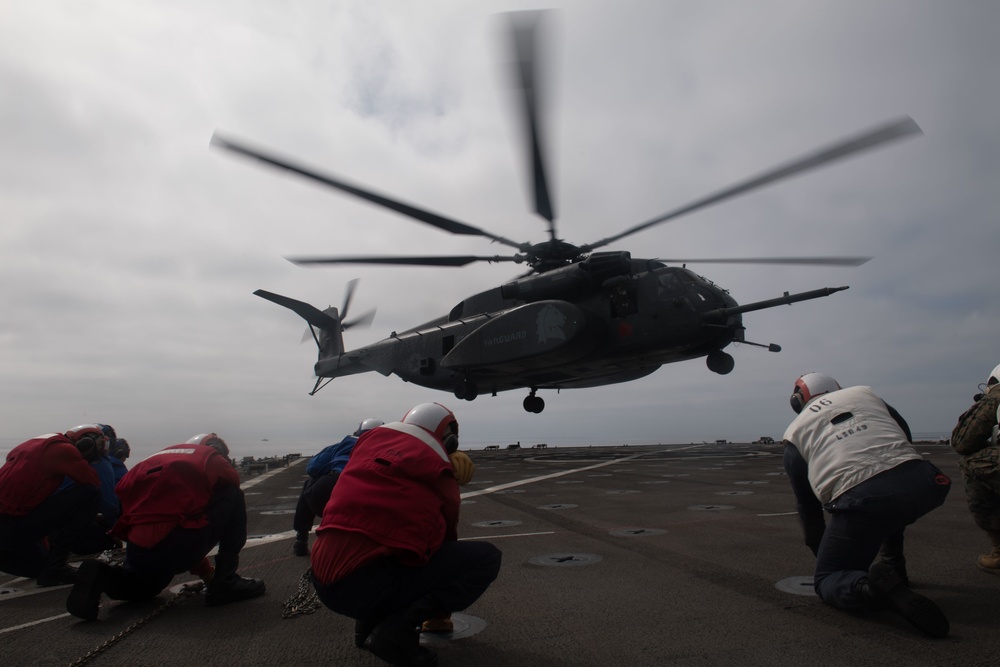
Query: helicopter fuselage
[605, 320]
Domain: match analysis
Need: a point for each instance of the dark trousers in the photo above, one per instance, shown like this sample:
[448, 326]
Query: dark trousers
[315, 492]
[454, 578]
[62, 518]
[146, 572]
[867, 516]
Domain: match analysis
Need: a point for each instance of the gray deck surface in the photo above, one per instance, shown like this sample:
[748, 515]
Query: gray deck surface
[644, 555]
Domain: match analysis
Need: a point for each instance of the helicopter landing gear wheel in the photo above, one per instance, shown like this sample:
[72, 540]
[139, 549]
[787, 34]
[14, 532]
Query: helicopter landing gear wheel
[466, 390]
[720, 362]
[533, 403]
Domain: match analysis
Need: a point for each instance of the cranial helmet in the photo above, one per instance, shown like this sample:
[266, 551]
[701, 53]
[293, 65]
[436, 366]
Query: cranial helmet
[436, 419]
[210, 440]
[994, 376]
[809, 386]
[121, 449]
[367, 425]
[89, 431]
[109, 433]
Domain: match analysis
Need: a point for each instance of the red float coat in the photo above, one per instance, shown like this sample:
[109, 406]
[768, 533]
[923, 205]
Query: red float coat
[171, 488]
[35, 469]
[399, 491]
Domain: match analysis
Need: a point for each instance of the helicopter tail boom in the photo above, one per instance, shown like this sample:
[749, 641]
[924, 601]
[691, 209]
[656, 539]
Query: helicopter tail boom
[326, 325]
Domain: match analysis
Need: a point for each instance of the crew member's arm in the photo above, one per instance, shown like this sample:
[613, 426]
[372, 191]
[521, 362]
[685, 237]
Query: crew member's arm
[62, 458]
[902, 422]
[975, 426]
[221, 471]
[451, 498]
[809, 507]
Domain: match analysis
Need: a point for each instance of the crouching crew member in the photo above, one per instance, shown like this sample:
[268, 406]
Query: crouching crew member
[95, 537]
[176, 506]
[387, 552]
[322, 470]
[850, 453]
[31, 513]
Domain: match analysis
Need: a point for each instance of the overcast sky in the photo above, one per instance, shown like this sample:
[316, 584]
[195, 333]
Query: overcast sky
[130, 249]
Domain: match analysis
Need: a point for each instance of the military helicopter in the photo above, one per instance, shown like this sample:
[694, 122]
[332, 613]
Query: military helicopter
[578, 318]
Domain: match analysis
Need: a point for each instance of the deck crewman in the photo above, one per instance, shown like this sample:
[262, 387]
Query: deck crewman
[176, 506]
[850, 453]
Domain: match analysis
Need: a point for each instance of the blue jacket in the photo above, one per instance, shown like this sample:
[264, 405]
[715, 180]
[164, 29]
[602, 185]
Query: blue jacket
[333, 457]
[119, 467]
[109, 504]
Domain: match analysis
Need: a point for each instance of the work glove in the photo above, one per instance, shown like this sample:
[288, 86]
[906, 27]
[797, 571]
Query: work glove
[462, 466]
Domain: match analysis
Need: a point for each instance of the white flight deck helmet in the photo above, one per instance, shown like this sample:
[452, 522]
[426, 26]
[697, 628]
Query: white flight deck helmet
[809, 386]
[436, 419]
[994, 376]
[210, 440]
[367, 425]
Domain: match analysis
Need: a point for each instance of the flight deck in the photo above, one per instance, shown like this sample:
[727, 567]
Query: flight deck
[679, 554]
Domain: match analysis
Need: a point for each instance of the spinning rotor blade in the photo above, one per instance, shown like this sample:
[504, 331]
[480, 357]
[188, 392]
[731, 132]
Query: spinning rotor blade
[457, 260]
[894, 130]
[363, 321]
[524, 27]
[433, 219]
[811, 261]
[348, 295]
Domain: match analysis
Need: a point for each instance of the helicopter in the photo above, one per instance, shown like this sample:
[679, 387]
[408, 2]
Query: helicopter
[579, 317]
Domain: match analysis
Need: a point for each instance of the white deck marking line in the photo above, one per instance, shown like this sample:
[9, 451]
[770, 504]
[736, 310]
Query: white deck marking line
[497, 537]
[270, 473]
[531, 480]
[28, 625]
[780, 514]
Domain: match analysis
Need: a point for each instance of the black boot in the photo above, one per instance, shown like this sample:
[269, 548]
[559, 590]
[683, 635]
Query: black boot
[397, 641]
[56, 572]
[362, 630]
[227, 586]
[397, 638]
[889, 590]
[85, 598]
[300, 547]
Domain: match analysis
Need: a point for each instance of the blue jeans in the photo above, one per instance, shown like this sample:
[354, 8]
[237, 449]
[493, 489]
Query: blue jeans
[868, 515]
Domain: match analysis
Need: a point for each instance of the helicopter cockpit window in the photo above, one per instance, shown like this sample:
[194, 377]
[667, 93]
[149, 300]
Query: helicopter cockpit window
[670, 285]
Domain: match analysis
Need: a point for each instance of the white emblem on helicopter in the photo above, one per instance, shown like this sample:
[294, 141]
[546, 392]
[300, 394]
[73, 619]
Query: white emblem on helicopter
[550, 324]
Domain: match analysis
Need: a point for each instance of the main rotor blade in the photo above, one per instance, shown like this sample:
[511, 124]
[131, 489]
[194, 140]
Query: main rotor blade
[457, 260]
[434, 219]
[524, 27]
[810, 261]
[889, 132]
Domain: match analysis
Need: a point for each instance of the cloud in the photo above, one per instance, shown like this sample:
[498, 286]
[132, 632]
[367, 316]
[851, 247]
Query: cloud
[130, 250]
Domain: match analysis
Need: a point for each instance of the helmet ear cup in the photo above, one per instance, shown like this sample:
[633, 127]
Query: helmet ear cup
[87, 446]
[796, 401]
[450, 443]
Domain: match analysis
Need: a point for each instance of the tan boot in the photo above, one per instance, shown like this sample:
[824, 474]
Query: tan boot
[991, 562]
[439, 623]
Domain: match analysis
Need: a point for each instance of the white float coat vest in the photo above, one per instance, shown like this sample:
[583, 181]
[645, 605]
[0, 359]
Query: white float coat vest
[847, 437]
